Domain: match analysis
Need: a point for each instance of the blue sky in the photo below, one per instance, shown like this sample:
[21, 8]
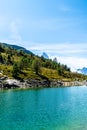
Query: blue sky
[58, 27]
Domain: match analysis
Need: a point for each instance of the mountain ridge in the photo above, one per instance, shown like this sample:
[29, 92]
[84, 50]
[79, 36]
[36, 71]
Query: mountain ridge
[17, 47]
[45, 55]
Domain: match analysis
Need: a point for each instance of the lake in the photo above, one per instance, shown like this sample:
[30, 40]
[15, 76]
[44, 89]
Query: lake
[44, 109]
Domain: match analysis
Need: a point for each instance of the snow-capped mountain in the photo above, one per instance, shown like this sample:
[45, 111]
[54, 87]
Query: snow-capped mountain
[45, 55]
[82, 71]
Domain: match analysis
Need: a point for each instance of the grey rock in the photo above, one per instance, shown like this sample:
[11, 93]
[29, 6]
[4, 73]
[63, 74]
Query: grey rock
[34, 83]
[11, 83]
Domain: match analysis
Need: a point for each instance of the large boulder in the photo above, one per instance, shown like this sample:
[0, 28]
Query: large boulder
[11, 83]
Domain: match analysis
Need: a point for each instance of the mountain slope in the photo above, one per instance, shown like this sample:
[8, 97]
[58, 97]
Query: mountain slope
[15, 64]
[17, 48]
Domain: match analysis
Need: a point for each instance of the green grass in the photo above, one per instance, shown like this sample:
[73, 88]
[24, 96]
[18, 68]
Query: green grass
[6, 70]
[29, 74]
[50, 73]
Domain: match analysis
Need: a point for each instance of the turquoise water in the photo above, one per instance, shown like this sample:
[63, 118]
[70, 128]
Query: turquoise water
[44, 109]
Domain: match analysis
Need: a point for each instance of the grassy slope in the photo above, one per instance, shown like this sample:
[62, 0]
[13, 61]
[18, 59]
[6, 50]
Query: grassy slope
[28, 73]
[45, 72]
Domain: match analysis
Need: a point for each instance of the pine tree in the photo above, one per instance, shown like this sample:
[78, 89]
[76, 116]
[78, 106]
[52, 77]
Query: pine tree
[15, 70]
[36, 66]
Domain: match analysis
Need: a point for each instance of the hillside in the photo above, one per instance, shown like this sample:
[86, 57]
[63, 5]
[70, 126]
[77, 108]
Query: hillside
[15, 63]
[17, 48]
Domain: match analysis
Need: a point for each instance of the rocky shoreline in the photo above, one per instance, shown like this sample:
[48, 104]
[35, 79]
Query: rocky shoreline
[7, 83]
[30, 83]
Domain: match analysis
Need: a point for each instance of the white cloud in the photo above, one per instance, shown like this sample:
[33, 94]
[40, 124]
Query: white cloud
[73, 62]
[60, 48]
[71, 54]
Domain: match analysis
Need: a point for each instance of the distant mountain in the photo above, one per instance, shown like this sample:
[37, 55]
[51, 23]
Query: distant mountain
[17, 48]
[82, 71]
[45, 55]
